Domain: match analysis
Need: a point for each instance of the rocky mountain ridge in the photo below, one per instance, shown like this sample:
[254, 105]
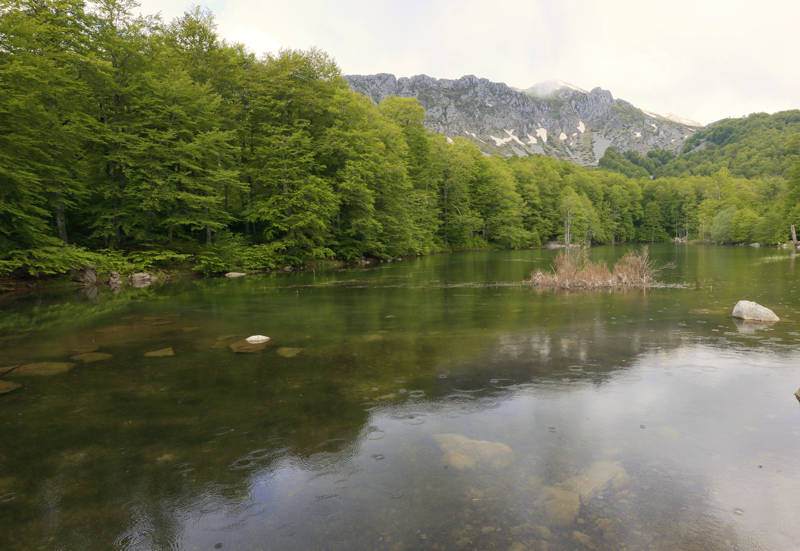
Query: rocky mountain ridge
[553, 118]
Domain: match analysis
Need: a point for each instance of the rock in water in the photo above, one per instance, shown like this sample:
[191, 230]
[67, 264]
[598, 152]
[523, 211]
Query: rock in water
[160, 353]
[243, 347]
[140, 279]
[288, 352]
[561, 506]
[753, 311]
[463, 453]
[235, 274]
[43, 368]
[86, 275]
[89, 357]
[114, 282]
[8, 386]
[257, 339]
[7, 369]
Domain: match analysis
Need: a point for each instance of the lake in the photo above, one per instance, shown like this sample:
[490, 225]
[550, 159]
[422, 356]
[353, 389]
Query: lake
[433, 403]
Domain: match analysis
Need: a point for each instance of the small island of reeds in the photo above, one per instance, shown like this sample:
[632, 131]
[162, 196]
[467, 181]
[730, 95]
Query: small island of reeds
[572, 269]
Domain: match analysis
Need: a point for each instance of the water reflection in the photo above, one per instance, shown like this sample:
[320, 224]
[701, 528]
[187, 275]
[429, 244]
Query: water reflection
[426, 417]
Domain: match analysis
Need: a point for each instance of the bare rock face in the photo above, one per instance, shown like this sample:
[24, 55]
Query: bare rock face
[752, 311]
[554, 119]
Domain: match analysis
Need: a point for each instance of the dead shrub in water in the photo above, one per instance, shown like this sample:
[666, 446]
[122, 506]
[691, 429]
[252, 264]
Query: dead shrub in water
[634, 270]
[574, 270]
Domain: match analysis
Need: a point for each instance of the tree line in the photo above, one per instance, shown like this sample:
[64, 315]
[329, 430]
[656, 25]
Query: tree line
[127, 140]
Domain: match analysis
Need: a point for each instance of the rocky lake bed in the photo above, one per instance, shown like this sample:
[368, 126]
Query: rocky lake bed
[431, 404]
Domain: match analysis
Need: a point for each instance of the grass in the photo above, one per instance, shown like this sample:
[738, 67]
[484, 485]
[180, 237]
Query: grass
[572, 269]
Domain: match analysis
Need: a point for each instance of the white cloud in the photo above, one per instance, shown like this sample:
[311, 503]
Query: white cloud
[701, 60]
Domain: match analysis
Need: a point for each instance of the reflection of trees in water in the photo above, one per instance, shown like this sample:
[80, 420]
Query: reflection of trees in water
[121, 455]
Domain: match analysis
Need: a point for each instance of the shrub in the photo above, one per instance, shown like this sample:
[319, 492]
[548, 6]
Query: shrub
[572, 269]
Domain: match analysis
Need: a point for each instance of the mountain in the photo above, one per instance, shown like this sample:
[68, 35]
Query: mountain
[551, 118]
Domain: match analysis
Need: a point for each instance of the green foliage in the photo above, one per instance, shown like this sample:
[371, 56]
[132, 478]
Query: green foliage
[722, 225]
[153, 145]
[613, 160]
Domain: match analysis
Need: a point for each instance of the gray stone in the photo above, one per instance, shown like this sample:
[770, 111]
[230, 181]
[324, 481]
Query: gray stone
[86, 275]
[752, 311]
[257, 339]
[797, 394]
[553, 119]
[140, 279]
[114, 282]
[235, 274]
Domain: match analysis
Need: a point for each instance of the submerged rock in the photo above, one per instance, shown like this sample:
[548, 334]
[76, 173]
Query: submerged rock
[257, 339]
[562, 502]
[235, 274]
[7, 369]
[83, 348]
[599, 475]
[748, 310]
[8, 386]
[287, 352]
[223, 341]
[243, 347]
[44, 368]
[463, 453]
[160, 353]
[561, 506]
[89, 357]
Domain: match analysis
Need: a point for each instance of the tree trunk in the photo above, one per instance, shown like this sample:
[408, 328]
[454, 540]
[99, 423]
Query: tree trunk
[208, 234]
[794, 236]
[61, 222]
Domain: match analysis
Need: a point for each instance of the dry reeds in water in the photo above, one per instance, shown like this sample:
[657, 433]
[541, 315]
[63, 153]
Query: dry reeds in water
[574, 270]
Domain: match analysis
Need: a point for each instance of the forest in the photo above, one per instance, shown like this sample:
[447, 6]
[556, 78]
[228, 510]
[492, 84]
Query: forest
[128, 142]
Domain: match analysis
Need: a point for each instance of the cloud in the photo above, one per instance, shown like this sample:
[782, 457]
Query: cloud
[702, 60]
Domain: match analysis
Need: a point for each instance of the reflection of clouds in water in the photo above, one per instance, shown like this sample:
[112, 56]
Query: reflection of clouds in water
[668, 448]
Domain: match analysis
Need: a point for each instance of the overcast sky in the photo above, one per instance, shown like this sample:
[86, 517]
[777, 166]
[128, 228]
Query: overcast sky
[700, 59]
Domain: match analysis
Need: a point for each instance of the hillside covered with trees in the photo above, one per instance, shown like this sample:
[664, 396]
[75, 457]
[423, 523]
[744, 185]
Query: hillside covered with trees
[130, 142]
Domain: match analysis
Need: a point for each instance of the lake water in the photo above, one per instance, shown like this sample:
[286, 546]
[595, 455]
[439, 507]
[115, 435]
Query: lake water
[433, 403]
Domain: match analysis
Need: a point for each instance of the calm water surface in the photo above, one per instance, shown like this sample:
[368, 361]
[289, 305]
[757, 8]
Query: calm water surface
[428, 404]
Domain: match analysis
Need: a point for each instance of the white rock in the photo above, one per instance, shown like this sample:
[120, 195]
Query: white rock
[748, 310]
[257, 339]
[235, 274]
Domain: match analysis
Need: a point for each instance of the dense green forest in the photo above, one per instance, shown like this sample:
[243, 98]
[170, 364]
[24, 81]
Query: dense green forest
[128, 142]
